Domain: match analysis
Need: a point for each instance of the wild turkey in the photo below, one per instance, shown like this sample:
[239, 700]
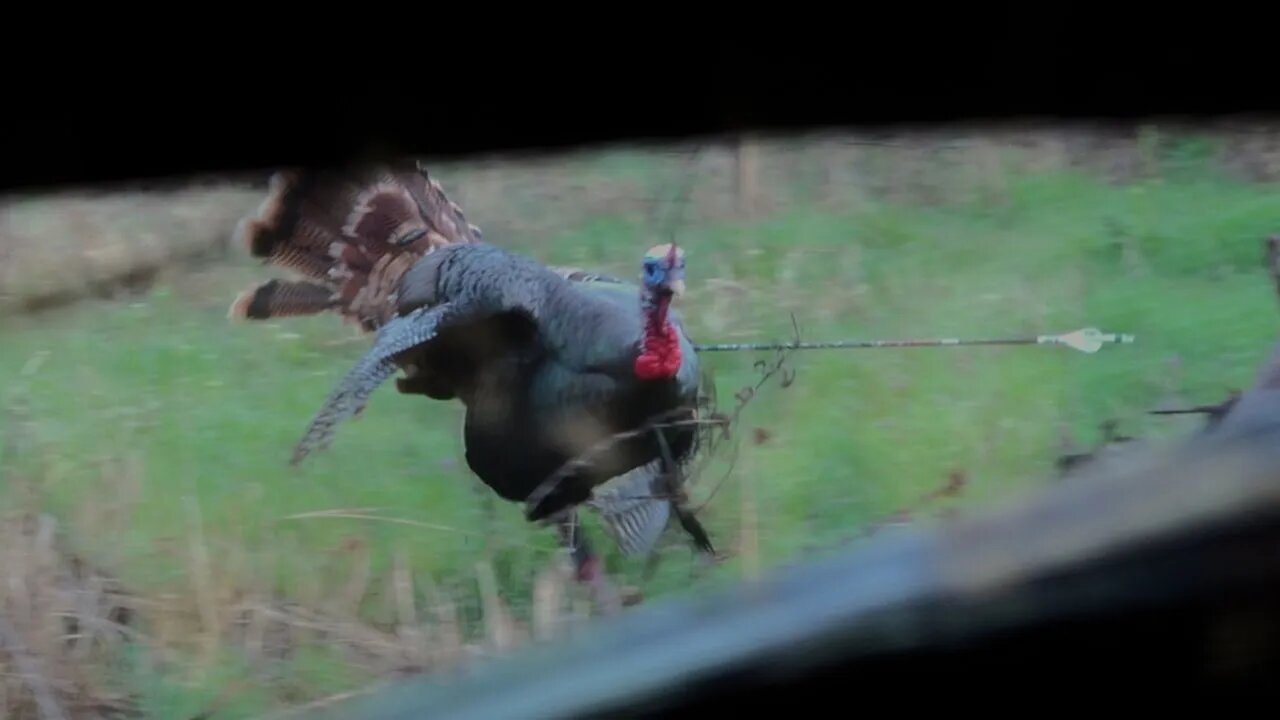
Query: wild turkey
[548, 362]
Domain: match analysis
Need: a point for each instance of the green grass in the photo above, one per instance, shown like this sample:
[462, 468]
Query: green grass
[208, 411]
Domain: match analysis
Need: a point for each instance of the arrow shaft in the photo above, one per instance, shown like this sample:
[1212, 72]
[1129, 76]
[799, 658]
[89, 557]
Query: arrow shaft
[855, 344]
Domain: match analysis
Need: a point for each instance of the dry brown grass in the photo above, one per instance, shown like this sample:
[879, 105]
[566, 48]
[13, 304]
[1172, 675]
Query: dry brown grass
[65, 623]
[61, 628]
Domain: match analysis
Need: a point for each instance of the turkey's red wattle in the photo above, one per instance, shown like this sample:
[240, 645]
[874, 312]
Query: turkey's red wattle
[660, 352]
[660, 359]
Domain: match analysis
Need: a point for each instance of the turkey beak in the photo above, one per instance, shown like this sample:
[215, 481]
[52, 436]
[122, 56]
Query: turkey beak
[674, 281]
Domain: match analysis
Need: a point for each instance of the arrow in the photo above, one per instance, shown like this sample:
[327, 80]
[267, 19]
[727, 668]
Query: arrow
[1086, 340]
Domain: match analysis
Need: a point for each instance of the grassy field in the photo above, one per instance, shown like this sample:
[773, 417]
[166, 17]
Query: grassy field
[158, 433]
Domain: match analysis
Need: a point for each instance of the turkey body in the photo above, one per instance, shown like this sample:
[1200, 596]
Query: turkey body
[543, 392]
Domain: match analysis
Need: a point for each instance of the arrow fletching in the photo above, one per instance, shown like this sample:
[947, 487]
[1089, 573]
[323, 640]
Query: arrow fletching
[1086, 340]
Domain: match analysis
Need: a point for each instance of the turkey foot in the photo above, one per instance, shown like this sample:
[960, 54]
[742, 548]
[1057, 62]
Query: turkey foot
[606, 597]
[588, 566]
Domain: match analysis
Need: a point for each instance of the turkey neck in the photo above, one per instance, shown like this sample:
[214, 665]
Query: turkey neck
[655, 307]
[660, 348]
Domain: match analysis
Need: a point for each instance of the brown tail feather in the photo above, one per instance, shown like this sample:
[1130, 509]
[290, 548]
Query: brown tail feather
[282, 298]
[351, 233]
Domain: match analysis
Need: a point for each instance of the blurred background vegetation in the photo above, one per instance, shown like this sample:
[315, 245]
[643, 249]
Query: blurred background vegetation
[160, 556]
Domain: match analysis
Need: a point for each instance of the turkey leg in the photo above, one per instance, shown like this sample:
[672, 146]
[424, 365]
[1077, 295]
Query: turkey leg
[690, 523]
[588, 566]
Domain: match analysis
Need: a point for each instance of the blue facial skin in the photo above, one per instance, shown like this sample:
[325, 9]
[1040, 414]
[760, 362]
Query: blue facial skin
[659, 276]
[653, 272]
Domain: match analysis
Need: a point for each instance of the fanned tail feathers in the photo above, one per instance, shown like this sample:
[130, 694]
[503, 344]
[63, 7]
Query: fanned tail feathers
[350, 234]
[633, 512]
